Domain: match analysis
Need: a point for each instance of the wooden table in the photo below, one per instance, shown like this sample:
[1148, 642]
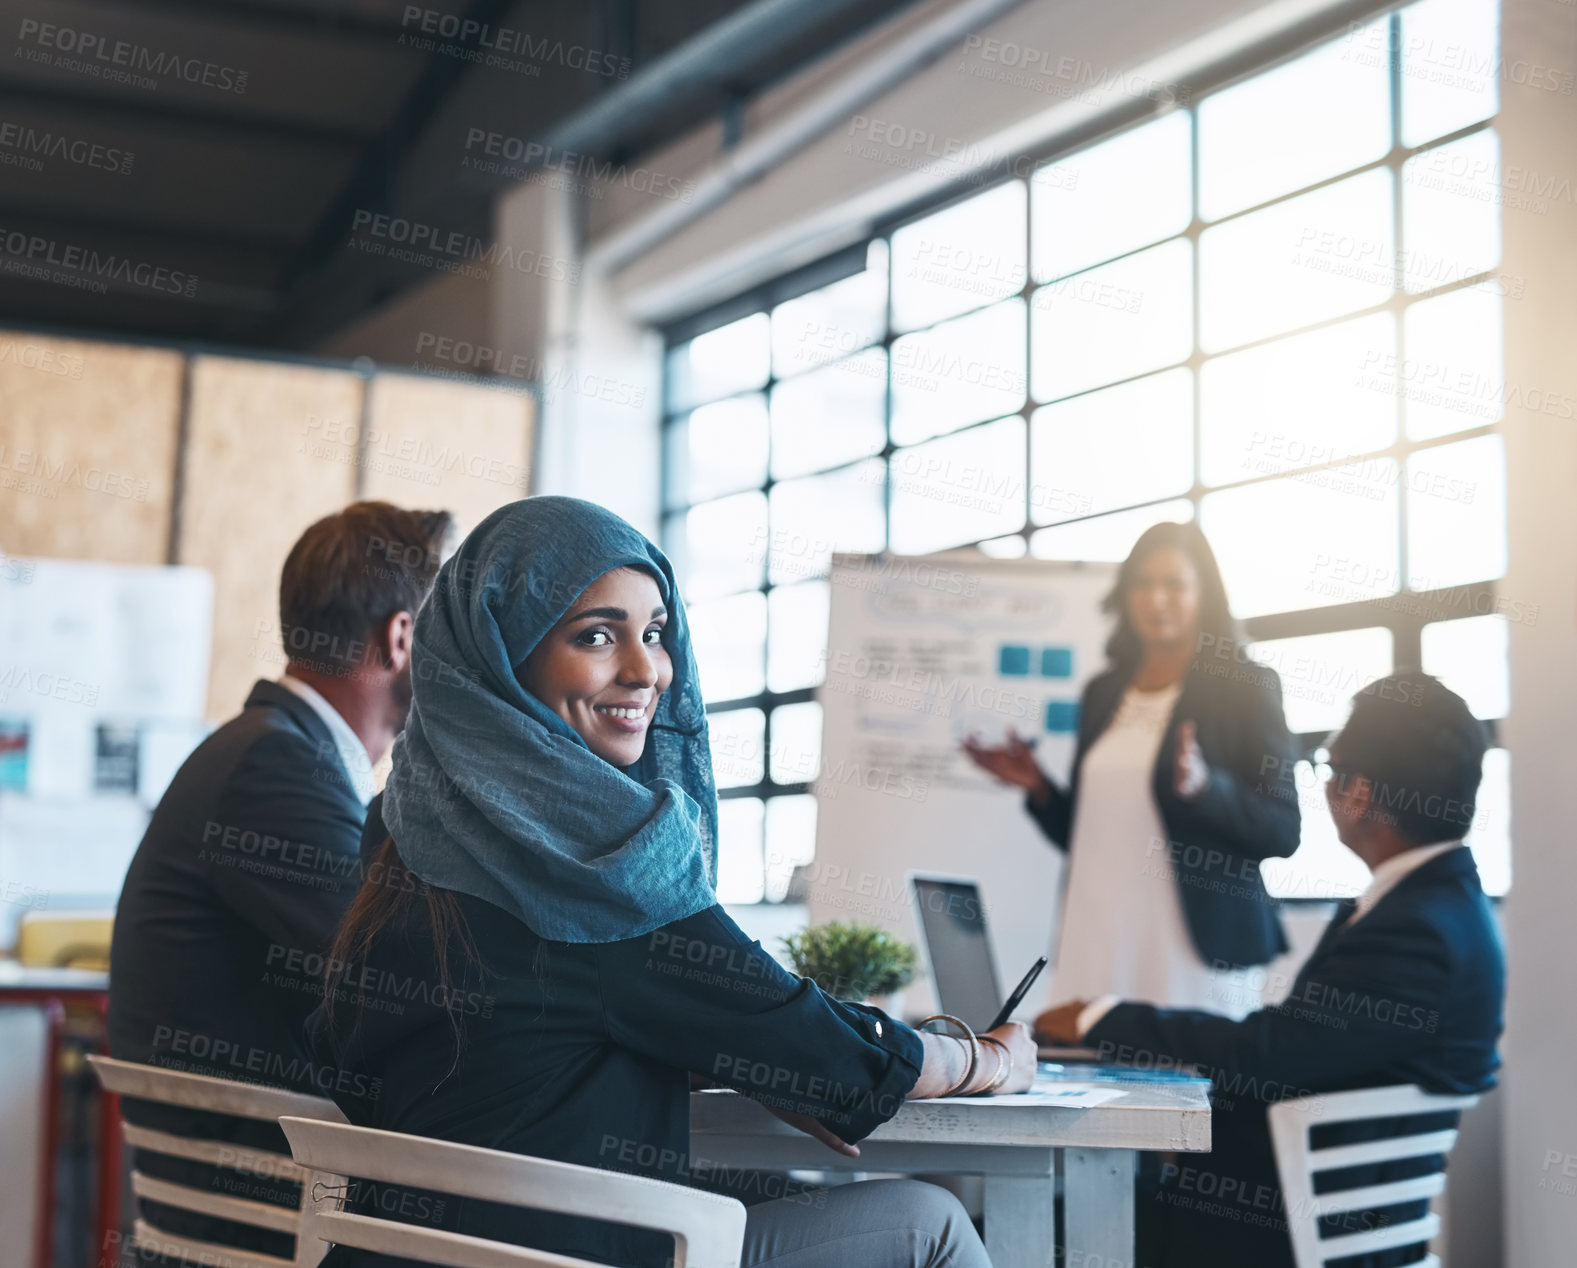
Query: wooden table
[1016, 1148]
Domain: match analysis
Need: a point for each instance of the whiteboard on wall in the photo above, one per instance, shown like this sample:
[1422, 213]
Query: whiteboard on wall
[921, 652]
[83, 645]
[103, 676]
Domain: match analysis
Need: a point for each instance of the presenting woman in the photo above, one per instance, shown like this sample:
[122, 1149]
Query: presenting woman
[1182, 784]
[537, 961]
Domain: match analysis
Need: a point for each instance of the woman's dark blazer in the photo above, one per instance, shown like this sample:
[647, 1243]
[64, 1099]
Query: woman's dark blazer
[1215, 841]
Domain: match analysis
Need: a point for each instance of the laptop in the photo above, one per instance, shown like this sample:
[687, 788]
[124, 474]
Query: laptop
[957, 947]
[952, 919]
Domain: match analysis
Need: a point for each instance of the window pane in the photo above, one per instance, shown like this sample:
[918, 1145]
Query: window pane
[1127, 444]
[723, 543]
[959, 489]
[1297, 402]
[1113, 322]
[1107, 537]
[830, 416]
[1123, 193]
[1305, 541]
[1323, 113]
[1299, 262]
[730, 645]
[1451, 212]
[1489, 837]
[795, 755]
[738, 738]
[718, 449]
[739, 860]
[797, 649]
[1320, 673]
[962, 372]
[1450, 56]
[732, 358]
[964, 256]
[1454, 376]
[1456, 514]
[1471, 656]
[791, 841]
[832, 322]
[815, 516]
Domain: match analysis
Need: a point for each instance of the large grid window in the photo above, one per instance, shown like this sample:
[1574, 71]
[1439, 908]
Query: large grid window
[1277, 311]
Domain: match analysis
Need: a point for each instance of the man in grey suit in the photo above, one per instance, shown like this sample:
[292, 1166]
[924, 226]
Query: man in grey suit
[252, 855]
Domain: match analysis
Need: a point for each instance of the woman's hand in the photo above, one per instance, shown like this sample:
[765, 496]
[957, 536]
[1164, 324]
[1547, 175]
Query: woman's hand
[813, 1127]
[1015, 1036]
[1192, 771]
[1061, 1024]
[947, 1057]
[1013, 762]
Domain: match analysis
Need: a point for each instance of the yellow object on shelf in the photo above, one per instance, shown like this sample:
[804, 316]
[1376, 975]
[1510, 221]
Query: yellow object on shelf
[65, 939]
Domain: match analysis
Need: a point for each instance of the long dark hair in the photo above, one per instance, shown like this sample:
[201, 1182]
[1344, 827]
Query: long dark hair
[384, 899]
[1124, 649]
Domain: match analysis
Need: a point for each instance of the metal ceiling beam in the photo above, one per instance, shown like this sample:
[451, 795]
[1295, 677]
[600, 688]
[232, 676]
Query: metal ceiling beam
[706, 64]
[297, 17]
[373, 179]
[700, 68]
[782, 136]
[201, 116]
[60, 222]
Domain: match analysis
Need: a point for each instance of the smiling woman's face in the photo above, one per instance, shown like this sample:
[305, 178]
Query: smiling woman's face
[603, 667]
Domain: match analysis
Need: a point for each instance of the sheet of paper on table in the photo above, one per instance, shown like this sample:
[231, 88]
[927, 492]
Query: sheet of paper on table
[1066, 1095]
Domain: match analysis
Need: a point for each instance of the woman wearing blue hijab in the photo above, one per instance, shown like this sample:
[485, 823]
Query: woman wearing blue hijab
[537, 961]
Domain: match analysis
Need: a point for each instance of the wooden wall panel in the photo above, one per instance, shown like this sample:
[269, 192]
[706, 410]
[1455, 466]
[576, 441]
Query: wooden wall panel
[88, 433]
[270, 449]
[433, 444]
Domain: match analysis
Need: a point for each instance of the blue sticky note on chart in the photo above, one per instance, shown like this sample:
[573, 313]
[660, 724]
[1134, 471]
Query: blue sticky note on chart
[1056, 662]
[1012, 659]
[1062, 716]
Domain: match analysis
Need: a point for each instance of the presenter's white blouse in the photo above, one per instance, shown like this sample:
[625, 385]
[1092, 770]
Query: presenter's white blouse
[1123, 929]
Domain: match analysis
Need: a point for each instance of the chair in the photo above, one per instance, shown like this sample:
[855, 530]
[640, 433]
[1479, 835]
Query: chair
[222, 1096]
[708, 1230]
[1297, 1164]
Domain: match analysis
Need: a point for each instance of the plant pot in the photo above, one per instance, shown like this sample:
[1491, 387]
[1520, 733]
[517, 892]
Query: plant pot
[891, 1003]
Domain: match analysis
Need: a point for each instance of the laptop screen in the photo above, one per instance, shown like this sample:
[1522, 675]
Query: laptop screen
[953, 921]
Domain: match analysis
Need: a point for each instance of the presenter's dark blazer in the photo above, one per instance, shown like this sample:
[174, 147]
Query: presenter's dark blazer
[246, 867]
[1246, 814]
[1414, 992]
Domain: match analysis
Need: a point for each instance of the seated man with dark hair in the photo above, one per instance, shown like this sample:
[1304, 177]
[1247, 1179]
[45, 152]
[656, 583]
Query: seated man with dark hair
[253, 853]
[1406, 986]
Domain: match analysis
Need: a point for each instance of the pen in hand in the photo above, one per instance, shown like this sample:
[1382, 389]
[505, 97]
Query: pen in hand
[1017, 997]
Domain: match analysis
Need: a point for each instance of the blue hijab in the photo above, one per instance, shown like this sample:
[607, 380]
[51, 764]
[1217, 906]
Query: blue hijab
[494, 795]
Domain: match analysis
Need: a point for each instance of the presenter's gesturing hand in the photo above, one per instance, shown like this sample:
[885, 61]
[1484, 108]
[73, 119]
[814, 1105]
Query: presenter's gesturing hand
[1013, 763]
[1193, 772]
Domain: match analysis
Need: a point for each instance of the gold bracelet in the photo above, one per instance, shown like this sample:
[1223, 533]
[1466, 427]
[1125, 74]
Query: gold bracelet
[995, 1073]
[968, 1038]
[1004, 1067]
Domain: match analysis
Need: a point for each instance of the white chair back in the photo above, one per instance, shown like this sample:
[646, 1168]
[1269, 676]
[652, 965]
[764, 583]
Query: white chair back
[220, 1096]
[1297, 1164]
[708, 1230]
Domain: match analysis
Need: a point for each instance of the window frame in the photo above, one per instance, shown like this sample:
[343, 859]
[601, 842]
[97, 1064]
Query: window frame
[1404, 612]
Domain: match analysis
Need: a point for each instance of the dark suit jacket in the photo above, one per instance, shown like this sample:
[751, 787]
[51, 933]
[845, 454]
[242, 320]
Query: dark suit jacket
[1411, 993]
[1246, 814]
[234, 893]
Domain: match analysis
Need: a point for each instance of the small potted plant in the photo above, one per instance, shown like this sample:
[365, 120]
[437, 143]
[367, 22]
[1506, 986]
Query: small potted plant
[857, 963]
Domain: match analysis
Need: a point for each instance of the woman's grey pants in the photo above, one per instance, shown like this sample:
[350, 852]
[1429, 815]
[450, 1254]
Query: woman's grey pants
[869, 1224]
